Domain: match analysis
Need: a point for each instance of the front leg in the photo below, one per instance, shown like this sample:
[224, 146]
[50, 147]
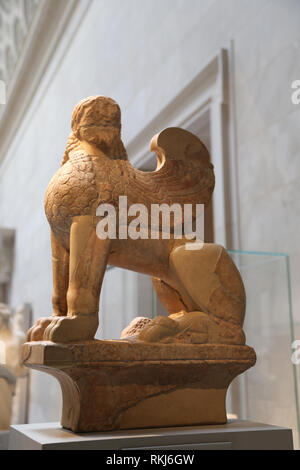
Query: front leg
[88, 261]
[60, 270]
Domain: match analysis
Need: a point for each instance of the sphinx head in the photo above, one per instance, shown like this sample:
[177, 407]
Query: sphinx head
[97, 121]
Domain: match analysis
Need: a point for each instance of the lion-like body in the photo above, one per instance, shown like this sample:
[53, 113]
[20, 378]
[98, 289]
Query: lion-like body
[203, 282]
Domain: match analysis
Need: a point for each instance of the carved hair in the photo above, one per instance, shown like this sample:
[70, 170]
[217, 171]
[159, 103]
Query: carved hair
[72, 145]
[97, 110]
[102, 113]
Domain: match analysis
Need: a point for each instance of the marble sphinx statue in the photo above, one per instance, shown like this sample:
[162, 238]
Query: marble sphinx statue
[202, 339]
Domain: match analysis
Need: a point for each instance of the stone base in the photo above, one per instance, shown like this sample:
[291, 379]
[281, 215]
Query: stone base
[111, 385]
[235, 435]
[4, 435]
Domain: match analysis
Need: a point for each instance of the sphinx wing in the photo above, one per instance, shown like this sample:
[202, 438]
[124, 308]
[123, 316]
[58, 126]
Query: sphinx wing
[184, 172]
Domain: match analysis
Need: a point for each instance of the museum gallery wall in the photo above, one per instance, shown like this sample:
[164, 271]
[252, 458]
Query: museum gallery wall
[212, 77]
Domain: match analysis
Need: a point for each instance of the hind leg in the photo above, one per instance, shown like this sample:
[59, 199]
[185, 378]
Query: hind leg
[209, 279]
[182, 325]
[211, 292]
[169, 297]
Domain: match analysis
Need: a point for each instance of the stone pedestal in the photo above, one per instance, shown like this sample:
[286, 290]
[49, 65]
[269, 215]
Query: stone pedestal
[235, 435]
[111, 385]
[4, 436]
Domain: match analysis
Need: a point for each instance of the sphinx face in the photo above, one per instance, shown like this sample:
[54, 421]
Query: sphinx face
[101, 136]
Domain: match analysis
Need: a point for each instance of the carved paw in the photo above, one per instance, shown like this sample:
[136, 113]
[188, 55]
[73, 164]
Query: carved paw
[190, 328]
[71, 328]
[36, 332]
[135, 327]
[158, 329]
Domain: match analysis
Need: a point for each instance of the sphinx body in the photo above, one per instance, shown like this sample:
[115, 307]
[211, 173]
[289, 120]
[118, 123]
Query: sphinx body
[201, 289]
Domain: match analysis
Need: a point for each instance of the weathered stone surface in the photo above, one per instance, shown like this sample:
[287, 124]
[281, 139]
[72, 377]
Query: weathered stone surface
[109, 385]
[135, 327]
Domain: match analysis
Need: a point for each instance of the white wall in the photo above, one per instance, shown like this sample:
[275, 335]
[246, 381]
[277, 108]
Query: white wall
[142, 53]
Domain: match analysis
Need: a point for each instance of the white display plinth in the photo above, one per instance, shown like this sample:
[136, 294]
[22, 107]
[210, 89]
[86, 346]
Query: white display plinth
[4, 435]
[235, 435]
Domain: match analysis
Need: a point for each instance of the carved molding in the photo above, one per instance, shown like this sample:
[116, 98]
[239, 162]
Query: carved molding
[49, 27]
[16, 17]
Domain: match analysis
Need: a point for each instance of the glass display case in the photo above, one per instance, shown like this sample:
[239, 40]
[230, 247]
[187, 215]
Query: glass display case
[267, 393]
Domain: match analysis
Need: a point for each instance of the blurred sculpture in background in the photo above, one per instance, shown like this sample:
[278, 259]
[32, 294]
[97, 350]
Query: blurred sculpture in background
[7, 377]
[12, 337]
[7, 240]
